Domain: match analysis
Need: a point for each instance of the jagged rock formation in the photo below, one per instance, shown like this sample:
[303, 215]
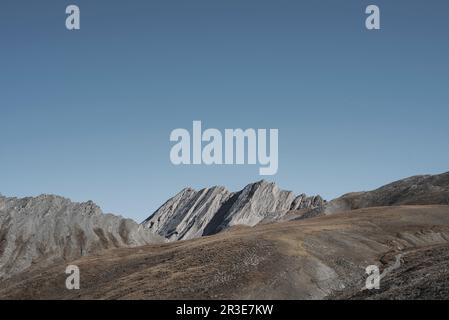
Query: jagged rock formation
[49, 228]
[191, 214]
[416, 190]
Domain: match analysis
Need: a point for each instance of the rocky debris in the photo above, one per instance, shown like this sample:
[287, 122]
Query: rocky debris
[50, 228]
[191, 214]
[423, 275]
[416, 190]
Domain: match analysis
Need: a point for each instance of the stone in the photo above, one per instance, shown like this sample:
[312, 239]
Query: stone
[192, 214]
[50, 228]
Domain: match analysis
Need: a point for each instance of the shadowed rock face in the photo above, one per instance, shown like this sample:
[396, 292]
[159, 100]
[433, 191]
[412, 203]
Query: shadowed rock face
[49, 228]
[417, 190]
[192, 214]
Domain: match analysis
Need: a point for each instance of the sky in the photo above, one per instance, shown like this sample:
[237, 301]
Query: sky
[87, 114]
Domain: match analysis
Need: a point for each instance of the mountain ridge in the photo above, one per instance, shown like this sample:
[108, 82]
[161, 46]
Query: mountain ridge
[50, 228]
[192, 214]
[320, 258]
[414, 190]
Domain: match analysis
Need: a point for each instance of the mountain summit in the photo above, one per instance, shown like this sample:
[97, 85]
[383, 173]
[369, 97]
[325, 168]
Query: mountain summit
[192, 214]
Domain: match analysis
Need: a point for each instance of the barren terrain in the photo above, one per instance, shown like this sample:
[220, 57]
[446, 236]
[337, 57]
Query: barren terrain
[323, 257]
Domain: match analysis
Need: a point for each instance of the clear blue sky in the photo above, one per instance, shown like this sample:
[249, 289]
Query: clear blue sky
[88, 114]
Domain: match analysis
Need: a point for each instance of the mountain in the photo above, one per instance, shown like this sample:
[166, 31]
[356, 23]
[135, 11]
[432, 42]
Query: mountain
[319, 258]
[48, 228]
[192, 214]
[416, 190]
[315, 249]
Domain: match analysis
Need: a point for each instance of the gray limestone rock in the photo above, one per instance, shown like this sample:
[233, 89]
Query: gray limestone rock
[191, 214]
[50, 228]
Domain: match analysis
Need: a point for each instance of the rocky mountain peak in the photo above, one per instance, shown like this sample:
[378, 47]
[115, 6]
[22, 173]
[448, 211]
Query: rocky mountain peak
[191, 214]
[50, 228]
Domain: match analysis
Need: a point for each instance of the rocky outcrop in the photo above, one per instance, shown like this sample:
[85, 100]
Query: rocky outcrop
[49, 228]
[187, 214]
[304, 202]
[191, 214]
[416, 190]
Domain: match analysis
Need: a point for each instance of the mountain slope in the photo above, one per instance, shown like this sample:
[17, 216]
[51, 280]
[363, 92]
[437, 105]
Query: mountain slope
[323, 257]
[49, 228]
[192, 214]
[417, 190]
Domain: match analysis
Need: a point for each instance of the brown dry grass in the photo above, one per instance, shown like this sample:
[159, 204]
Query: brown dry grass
[307, 259]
